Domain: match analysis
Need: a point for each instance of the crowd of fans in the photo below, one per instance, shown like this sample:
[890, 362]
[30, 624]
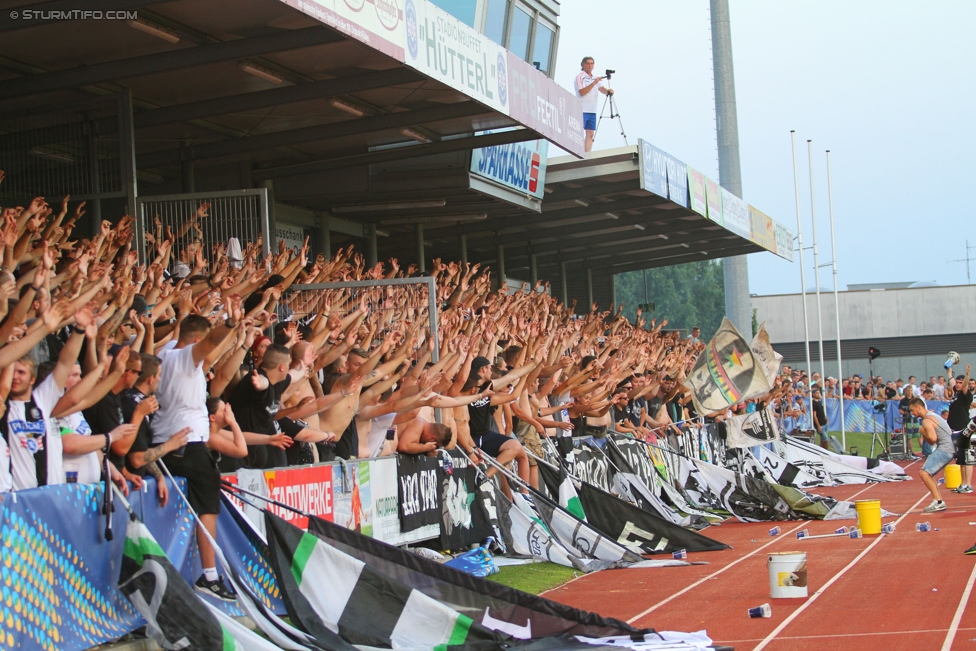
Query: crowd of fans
[206, 357]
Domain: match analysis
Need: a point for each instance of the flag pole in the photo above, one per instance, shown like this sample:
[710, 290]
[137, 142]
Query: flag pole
[816, 272]
[833, 262]
[803, 285]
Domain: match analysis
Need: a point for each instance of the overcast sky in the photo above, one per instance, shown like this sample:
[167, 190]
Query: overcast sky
[888, 87]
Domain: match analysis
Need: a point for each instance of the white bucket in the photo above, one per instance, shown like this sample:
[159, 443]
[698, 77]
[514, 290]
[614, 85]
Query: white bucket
[787, 575]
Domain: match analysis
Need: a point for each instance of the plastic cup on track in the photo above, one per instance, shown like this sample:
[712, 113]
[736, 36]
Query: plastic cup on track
[761, 611]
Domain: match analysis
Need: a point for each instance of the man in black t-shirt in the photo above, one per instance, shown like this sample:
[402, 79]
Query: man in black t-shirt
[256, 400]
[820, 417]
[142, 455]
[958, 420]
[106, 414]
[478, 431]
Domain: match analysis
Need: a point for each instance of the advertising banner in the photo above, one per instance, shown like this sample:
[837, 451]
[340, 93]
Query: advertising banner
[353, 499]
[519, 166]
[653, 169]
[735, 214]
[377, 23]
[696, 186]
[713, 197]
[541, 104]
[784, 241]
[677, 180]
[384, 486]
[308, 488]
[293, 236]
[442, 47]
[762, 231]
[463, 518]
[420, 499]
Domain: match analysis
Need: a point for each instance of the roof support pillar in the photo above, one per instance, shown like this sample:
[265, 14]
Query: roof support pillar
[421, 254]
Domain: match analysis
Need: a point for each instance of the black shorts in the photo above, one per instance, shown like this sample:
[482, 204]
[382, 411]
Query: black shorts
[492, 442]
[202, 477]
[962, 450]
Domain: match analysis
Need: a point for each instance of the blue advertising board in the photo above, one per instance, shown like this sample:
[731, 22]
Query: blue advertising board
[519, 166]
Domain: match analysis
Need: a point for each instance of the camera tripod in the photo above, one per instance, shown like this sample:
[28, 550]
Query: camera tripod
[614, 114]
[878, 407]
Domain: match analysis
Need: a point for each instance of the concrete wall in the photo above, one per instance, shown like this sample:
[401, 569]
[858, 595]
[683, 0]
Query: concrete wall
[872, 313]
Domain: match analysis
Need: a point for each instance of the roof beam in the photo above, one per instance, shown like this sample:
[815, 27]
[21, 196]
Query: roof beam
[172, 60]
[668, 261]
[290, 137]
[276, 96]
[540, 223]
[399, 153]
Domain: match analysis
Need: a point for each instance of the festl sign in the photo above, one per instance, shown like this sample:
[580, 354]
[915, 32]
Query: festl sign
[543, 105]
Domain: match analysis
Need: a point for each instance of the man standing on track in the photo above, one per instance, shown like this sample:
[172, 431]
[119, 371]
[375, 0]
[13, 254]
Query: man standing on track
[936, 431]
[958, 420]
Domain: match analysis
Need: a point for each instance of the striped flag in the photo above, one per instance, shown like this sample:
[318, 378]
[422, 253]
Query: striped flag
[328, 591]
[177, 618]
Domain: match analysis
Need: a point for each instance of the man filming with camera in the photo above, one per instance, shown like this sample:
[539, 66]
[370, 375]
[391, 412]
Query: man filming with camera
[586, 87]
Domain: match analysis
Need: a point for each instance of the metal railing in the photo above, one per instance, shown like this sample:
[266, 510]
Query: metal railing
[235, 213]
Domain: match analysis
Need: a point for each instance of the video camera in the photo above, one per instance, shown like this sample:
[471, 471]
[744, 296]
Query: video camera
[610, 73]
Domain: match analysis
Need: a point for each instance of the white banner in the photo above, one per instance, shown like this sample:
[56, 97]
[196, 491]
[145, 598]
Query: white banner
[748, 430]
[444, 48]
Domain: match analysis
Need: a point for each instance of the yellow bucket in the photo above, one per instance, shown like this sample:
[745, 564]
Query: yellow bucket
[953, 476]
[868, 516]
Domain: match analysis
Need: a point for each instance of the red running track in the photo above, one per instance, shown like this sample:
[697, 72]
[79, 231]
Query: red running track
[907, 590]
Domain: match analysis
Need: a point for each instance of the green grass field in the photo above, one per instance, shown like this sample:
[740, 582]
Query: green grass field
[534, 577]
[862, 443]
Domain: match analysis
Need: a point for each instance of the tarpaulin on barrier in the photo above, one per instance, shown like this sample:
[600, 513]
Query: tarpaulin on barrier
[59, 574]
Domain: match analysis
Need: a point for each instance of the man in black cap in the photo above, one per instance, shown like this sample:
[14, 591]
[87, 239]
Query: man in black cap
[476, 430]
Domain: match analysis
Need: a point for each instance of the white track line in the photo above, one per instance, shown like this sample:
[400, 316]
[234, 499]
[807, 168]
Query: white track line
[716, 573]
[735, 562]
[954, 626]
[796, 613]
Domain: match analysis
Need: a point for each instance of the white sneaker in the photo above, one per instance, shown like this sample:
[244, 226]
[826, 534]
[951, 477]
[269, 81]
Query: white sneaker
[936, 505]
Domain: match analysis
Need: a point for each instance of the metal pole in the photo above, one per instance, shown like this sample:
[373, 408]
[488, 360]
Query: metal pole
[371, 252]
[589, 287]
[421, 253]
[564, 286]
[803, 281]
[463, 243]
[533, 268]
[500, 254]
[833, 255]
[735, 270]
[325, 234]
[816, 268]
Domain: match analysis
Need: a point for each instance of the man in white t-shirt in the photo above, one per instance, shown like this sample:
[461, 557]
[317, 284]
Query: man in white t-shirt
[182, 396]
[30, 434]
[586, 86]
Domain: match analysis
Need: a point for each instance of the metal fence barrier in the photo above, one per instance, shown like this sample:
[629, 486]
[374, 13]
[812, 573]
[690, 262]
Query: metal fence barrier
[236, 213]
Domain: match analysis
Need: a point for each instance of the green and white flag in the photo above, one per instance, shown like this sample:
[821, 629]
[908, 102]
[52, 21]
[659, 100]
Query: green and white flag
[329, 592]
[568, 497]
[177, 617]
